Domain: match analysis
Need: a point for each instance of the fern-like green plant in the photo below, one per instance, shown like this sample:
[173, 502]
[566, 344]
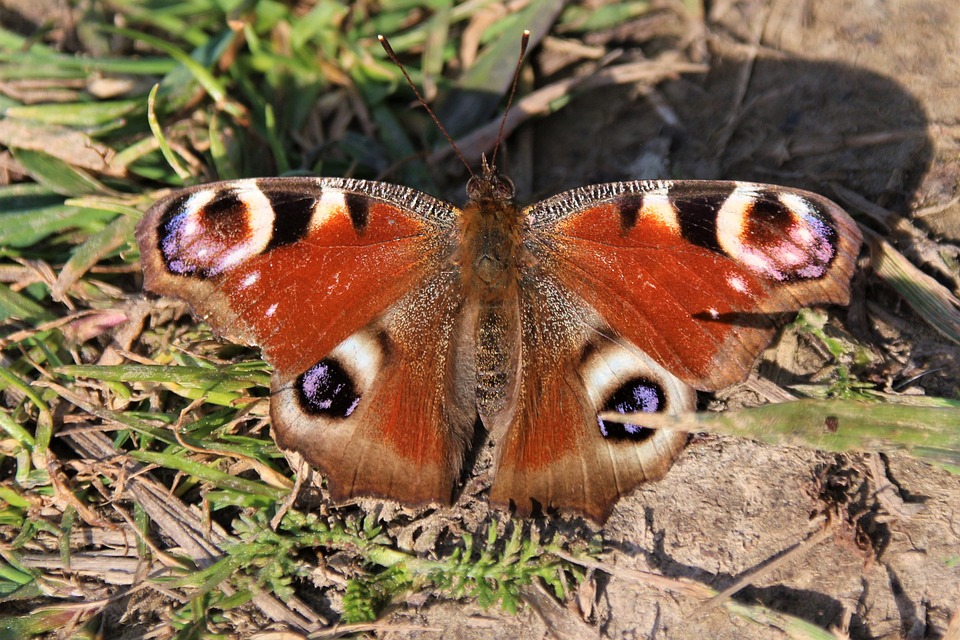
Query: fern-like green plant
[492, 573]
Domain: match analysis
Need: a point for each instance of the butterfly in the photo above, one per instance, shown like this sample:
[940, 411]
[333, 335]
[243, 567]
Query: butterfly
[399, 325]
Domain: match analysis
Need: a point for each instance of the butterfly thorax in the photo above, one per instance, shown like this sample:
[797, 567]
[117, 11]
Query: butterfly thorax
[490, 242]
[490, 255]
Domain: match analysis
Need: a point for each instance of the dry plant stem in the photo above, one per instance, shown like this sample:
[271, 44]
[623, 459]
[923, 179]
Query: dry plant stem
[563, 623]
[538, 102]
[20, 336]
[851, 198]
[73, 147]
[342, 630]
[186, 527]
[167, 559]
[683, 587]
[108, 569]
[833, 144]
[747, 579]
[941, 307]
[923, 249]
[936, 208]
[743, 82]
[287, 503]
[65, 496]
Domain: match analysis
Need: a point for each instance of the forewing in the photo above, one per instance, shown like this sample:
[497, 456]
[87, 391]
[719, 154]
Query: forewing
[696, 274]
[630, 293]
[294, 265]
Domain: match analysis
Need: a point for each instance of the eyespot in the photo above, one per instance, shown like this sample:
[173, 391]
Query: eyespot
[327, 389]
[206, 232]
[635, 396]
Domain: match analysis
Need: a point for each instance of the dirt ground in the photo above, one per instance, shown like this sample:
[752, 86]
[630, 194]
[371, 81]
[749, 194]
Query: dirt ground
[860, 94]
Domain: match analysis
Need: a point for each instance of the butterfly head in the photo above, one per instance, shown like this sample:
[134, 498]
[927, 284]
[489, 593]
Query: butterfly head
[490, 185]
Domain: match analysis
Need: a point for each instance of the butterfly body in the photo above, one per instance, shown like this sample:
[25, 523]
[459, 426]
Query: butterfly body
[397, 323]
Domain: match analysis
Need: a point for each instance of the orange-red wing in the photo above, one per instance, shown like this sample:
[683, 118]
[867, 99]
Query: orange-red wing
[341, 283]
[630, 286]
[555, 452]
[696, 273]
[382, 415]
[294, 265]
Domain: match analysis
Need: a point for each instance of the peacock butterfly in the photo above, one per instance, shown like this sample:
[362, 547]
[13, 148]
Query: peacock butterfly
[397, 323]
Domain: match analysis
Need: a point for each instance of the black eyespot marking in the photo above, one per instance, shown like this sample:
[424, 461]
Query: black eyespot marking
[767, 213]
[636, 395]
[768, 223]
[358, 208]
[192, 242]
[225, 214]
[327, 389]
[628, 209]
[698, 221]
[292, 211]
[787, 240]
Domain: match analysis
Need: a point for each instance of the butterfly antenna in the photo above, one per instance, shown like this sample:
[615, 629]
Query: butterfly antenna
[423, 103]
[524, 41]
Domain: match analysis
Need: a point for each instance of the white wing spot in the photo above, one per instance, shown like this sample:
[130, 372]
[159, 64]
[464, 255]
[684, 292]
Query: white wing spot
[658, 205]
[193, 205]
[331, 202]
[737, 283]
[251, 279]
[362, 355]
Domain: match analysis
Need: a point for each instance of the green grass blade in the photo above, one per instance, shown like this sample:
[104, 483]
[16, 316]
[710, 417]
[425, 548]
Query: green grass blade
[75, 66]
[77, 114]
[210, 83]
[585, 19]
[171, 159]
[28, 227]
[483, 85]
[97, 247]
[16, 305]
[195, 377]
[209, 474]
[57, 174]
[925, 432]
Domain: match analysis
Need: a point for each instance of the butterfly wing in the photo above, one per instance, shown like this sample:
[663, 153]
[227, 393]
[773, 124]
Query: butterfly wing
[637, 291]
[318, 273]
[390, 411]
[696, 273]
[553, 451]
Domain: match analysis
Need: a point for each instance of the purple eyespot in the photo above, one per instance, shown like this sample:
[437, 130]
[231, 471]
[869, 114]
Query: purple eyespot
[327, 389]
[638, 395]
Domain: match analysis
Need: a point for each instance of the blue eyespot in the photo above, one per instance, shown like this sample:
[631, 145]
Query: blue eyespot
[638, 395]
[327, 389]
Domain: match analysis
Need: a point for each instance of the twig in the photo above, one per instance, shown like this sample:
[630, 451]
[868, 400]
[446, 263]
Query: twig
[750, 577]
